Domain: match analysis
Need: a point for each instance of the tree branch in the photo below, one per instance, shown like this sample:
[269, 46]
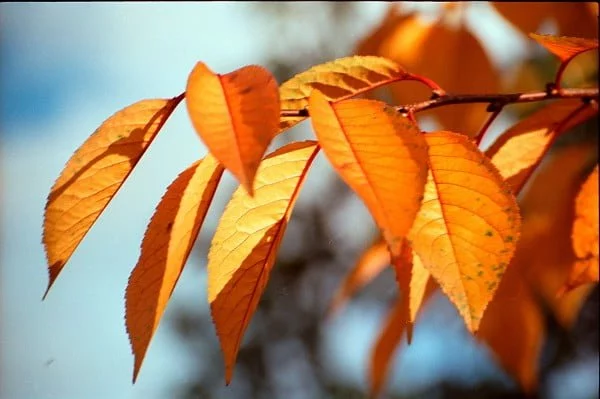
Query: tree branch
[495, 100]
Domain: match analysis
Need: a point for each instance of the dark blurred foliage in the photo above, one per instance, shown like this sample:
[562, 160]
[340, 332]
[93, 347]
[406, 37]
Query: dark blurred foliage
[280, 356]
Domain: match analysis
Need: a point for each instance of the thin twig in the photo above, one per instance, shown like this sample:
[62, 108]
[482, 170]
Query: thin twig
[499, 99]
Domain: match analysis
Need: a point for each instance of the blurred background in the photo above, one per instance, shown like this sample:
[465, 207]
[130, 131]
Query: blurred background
[66, 67]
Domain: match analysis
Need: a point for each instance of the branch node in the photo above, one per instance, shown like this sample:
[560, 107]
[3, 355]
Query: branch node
[496, 106]
[550, 89]
[435, 94]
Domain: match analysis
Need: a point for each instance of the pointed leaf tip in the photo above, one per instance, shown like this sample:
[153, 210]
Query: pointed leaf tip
[166, 246]
[245, 244]
[236, 115]
[94, 174]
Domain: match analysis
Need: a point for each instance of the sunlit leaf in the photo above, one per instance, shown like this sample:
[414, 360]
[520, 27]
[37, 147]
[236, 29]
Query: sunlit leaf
[468, 225]
[246, 242]
[533, 277]
[337, 80]
[381, 155]
[521, 147]
[236, 115]
[371, 263]
[585, 234]
[564, 47]
[95, 173]
[452, 57]
[166, 246]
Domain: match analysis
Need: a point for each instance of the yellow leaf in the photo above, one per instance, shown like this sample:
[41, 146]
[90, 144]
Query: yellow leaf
[371, 43]
[412, 280]
[585, 234]
[246, 241]
[468, 225]
[453, 58]
[371, 263]
[522, 146]
[236, 115]
[381, 155]
[166, 246]
[95, 173]
[564, 47]
[541, 263]
[337, 80]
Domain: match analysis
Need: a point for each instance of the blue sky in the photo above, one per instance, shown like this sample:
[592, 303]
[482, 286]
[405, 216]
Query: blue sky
[66, 67]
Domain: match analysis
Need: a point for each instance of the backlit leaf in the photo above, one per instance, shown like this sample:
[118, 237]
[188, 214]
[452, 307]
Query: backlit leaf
[381, 155]
[410, 276]
[564, 47]
[337, 80]
[246, 242]
[236, 115]
[573, 18]
[95, 173]
[452, 57]
[521, 147]
[371, 263]
[585, 234]
[540, 266]
[167, 243]
[467, 228]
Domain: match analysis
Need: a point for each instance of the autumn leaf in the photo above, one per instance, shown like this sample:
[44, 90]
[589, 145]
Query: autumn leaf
[452, 57]
[246, 242]
[95, 173]
[167, 243]
[371, 263]
[572, 18]
[564, 47]
[467, 228]
[236, 115]
[381, 155]
[371, 42]
[533, 277]
[337, 80]
[585, 235]
[412, 280]
[522, 146]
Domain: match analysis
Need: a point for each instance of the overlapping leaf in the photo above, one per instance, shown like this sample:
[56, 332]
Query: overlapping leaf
[565, 47]
[95, 173]
[236, 115]
[468, 225]
[522, 146]
[414, 288]
[371, 263]
[585, 234]
[535, 274]
[337, 80]
[166, 246]
[246, 242]
[379, 154]
[452, 57]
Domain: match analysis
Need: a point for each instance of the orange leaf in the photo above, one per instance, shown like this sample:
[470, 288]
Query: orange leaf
[371, 263]
[522, 146]
[534, 275]
[95, 173]
[585, 234]
[166, 246]
[381, 155]
[337, 80]
[452, 57]
[246, 241]
[410, 276]
[468, 225]
[564, 47]
[236, 115]
[573, 18]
